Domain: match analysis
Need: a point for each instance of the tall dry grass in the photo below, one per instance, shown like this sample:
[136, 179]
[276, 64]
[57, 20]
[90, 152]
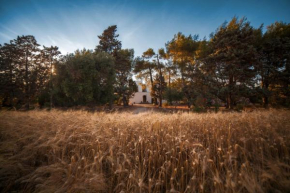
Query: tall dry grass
[77, 151]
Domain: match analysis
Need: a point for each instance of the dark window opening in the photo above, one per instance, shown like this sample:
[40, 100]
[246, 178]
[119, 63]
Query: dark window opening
[144, 98]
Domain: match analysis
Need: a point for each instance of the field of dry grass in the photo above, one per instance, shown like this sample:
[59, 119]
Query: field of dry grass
[77, 151]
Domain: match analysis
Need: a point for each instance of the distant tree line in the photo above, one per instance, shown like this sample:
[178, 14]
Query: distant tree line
[25, 71]
[238, 64]
[31, 75]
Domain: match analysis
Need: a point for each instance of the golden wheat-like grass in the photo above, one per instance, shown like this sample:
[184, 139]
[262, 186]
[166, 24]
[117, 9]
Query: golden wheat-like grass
[77, 151]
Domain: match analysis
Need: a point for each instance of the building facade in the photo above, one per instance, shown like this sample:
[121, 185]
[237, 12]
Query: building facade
[143, 94]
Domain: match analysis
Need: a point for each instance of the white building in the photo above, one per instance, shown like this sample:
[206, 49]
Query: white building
[143, 94]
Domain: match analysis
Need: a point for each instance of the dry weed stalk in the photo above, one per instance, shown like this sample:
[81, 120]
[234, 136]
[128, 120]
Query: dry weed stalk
[78, 151]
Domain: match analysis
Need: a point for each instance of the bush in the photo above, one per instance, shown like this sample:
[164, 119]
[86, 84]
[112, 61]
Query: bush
[165, 104]
[198, 109]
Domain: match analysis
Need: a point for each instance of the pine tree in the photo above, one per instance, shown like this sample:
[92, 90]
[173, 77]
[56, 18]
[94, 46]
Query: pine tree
[28, 56]
[8, 81]
[123, 59]
[233, 58]
[182, 50]
[124, 85]
[144, 67]
[159, 86]
[108, 41]
[275, 65]
[49, 55]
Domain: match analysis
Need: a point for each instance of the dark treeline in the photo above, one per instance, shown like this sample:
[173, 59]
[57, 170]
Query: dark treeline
[238, 65]
[31, 75]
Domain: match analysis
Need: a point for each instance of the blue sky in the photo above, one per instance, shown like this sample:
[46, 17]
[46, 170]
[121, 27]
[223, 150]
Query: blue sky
[72, 25]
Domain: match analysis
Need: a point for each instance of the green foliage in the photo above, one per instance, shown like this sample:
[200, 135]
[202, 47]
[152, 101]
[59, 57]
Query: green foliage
[198, 109]
[43, 99]
[172, 95]
[233, 59]
[159, 85]
[145, 68]
[148, 53]
[237, 62]
[25, 70]
[124, 86]
[275, 65]
[84, 77]
[108, 40]
[123, 63]
[182, 50]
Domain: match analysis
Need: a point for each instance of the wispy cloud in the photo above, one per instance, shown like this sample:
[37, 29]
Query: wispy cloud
[6, 36]
[72, 25]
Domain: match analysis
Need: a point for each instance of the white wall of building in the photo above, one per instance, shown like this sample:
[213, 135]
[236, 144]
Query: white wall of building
[138, 98]
[141, 97]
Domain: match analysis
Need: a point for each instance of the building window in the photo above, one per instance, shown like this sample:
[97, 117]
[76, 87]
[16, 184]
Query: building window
[144, 88]
[144, 99]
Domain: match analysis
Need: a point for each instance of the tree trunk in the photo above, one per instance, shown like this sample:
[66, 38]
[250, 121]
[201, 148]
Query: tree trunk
[229, 101]
[11, 85]
[265, 95]
[265, 86]
[169, 86]
[124, 101]
[27, 94]
[50, 81]
[186, 94]
[151, 80]
[229, 98]
[266, 101]
[160, 82]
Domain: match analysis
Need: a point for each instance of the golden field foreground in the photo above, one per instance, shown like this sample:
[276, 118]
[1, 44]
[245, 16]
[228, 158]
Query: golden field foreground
[77, 151]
